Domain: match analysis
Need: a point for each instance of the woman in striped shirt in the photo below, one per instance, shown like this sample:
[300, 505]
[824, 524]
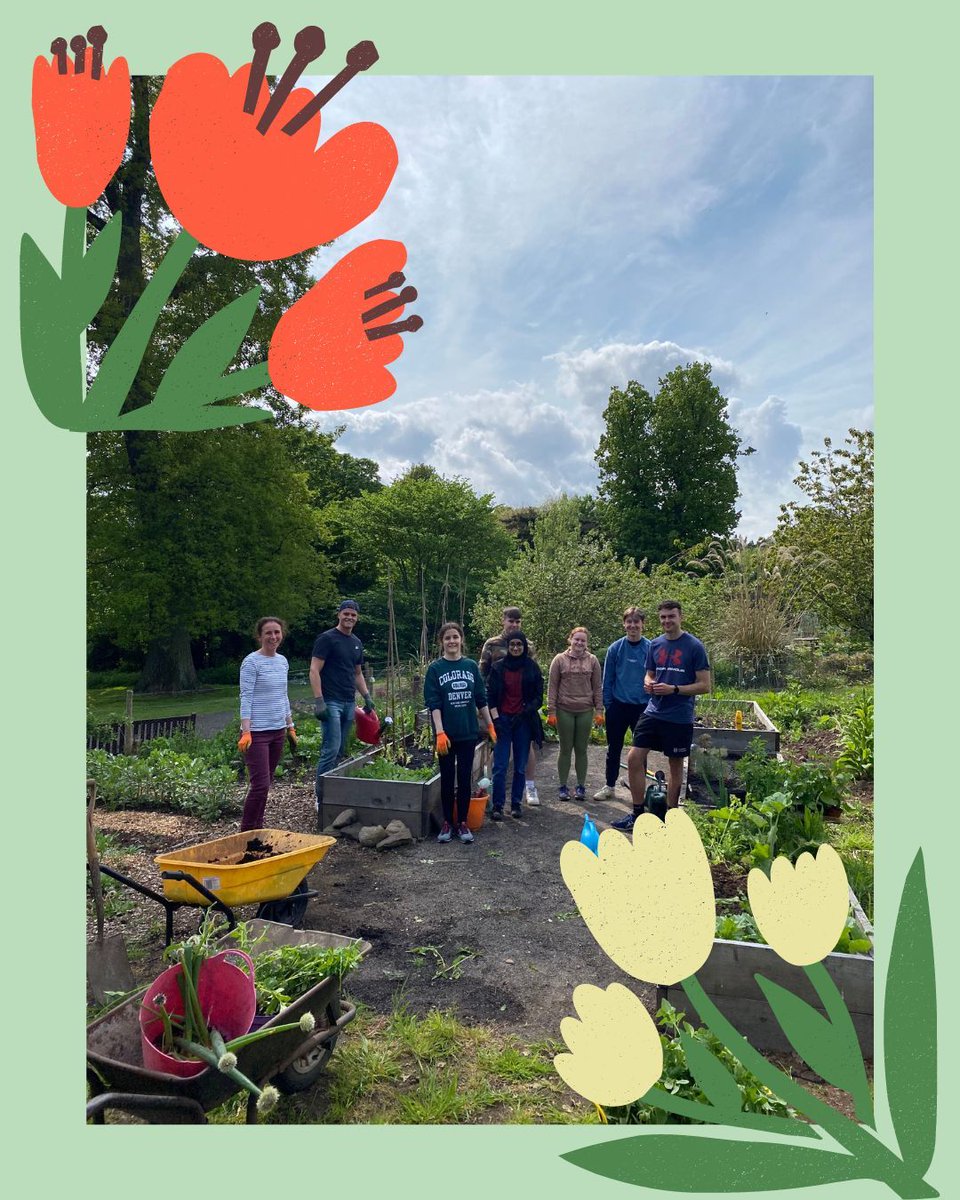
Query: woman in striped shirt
[265, 716]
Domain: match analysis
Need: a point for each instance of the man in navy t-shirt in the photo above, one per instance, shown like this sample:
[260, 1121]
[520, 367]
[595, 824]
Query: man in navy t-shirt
[336, 676]
[677, 671]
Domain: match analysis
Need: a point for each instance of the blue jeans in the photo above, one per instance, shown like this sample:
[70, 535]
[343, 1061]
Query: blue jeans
[336, 733]
[513, 733]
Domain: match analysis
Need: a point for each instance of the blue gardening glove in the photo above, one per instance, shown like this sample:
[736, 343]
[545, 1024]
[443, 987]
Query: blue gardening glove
[319, 708]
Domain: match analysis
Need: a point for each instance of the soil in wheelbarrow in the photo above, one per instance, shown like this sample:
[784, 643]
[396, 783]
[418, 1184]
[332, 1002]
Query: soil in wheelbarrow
[486, 929]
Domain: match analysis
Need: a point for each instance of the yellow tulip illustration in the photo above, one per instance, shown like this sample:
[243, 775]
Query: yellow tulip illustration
[615, 1052]
[650, 905]
[801, 911]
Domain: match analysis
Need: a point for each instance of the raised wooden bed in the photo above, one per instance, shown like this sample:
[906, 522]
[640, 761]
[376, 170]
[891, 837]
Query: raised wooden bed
[379, 801]
[728, 977]
[715, 719]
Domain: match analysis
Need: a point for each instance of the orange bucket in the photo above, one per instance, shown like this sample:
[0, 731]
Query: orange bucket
[476, 811]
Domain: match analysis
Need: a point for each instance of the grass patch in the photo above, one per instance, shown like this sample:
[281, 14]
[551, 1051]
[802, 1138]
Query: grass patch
[429, 1070]
[103, 703]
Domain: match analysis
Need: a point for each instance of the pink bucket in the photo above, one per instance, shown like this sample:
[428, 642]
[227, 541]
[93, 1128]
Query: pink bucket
[228, 1001]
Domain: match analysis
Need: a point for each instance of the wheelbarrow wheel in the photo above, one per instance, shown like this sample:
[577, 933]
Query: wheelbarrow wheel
[304, 1072]
[289, 911]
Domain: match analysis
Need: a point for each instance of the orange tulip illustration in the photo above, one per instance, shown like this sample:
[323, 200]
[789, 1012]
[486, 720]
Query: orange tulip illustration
[81, 116]
[241, 169]
[331, 348]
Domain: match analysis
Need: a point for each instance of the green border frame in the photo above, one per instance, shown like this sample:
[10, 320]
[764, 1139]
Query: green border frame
[912, 60]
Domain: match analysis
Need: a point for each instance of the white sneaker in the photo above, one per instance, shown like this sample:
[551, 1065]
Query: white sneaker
[532, 798]
[606, 793]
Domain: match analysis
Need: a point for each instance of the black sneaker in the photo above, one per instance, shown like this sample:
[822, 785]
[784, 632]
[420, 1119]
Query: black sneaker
[626, 822]
[516, 813]
[496, 814]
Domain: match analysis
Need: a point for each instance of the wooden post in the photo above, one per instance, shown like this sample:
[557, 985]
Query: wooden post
[128, 724]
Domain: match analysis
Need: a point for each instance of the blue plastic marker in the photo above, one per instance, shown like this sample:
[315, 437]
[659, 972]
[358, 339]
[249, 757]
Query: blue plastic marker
[589, 834]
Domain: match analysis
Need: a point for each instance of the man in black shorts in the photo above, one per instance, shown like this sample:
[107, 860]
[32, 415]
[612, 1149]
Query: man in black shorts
[677, 671]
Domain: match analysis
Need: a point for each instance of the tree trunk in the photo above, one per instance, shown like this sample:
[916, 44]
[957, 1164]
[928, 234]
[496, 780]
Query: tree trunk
[169, 665]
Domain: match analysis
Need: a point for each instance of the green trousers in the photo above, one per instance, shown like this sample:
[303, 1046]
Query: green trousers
[573, 730]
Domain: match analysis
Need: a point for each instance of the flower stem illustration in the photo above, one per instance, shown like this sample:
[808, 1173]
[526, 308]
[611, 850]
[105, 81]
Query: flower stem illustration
[212, 135]
[800, 910]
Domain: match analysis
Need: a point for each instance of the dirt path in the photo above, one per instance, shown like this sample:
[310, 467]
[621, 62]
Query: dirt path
[507, 944]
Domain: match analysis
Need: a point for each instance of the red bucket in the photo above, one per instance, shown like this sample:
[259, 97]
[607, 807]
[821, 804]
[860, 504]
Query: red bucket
[228, 1001]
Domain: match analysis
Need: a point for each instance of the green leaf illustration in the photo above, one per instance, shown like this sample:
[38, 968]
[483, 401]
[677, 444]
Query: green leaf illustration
[86, 286]
[49, 341]
[684, 1162]
[910, 1025]
[715, 1080]
[194, 380]
[830, 1049]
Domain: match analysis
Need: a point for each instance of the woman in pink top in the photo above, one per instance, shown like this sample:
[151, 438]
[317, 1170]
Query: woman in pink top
[574, 703]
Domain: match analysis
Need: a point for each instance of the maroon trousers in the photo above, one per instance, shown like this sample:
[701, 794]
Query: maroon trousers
[261, 759]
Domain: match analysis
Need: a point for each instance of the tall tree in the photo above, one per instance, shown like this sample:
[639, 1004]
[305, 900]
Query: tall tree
[438, 541]
[140, 471]
[830, 538]
[667, 464]
[230, 533]
[564, 579]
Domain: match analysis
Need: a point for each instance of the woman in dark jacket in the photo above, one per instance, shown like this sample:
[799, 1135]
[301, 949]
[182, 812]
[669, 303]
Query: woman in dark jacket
[515, 694]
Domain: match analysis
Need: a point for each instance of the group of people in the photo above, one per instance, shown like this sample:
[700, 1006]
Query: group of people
[646, 686]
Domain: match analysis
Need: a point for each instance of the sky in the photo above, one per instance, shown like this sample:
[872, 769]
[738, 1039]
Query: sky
[567, 234]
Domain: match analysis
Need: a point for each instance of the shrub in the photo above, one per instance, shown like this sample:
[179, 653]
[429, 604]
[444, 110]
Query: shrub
[856, 733]
[162, 778]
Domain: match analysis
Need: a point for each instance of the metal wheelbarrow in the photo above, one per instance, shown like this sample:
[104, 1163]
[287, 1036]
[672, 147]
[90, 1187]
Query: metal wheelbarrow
[291, 1060]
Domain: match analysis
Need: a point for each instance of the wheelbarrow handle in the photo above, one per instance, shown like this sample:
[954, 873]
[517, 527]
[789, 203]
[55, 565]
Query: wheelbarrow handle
[188, 1111]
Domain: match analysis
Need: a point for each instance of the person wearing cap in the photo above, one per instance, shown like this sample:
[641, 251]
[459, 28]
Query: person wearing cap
[492, 651]
[336, 675]
[515, 694]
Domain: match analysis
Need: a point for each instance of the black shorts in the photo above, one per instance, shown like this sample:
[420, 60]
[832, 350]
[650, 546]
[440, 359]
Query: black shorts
[669, 737]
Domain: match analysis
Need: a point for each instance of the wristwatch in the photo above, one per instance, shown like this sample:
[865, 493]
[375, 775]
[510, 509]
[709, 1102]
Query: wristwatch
[676, 690]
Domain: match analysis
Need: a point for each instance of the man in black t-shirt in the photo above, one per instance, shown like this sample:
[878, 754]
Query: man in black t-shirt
[336, 676]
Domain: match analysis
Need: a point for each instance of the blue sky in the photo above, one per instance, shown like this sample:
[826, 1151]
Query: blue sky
[568, 234]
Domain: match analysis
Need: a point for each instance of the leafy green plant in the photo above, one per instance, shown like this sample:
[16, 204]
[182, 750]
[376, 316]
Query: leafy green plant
[383, 768]
[856, 733]
[444, 970]
[162, 779]
[286, 972]
[679, 1081]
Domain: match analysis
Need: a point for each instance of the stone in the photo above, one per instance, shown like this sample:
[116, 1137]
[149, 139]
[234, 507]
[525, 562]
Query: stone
[351, 831]
[370, 835]
[347, 817]
[396, 839]
[397, 826]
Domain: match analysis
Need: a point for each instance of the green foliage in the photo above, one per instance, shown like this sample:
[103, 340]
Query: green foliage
[383, 767]
[856, 733]
[753, 625]
[284, 973]
[562, 580]
[830, 537]
[667, 465]
[436, 539]
[678, 1080]
[162, 778]
[738, 925]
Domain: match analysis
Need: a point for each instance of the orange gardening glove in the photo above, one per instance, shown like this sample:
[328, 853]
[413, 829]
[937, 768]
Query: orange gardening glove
[492, 733]
[552, 721]
[292, 738]
[600, 719]
[443, 744]
[246, 741]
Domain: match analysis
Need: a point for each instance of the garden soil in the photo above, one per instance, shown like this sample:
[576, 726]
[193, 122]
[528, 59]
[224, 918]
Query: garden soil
[487, 930]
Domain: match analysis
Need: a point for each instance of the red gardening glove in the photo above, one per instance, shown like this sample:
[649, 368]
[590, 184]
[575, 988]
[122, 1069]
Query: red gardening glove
[292, 738]
[600, 720]
[443, 744]
[552, 721]
[246, 741]
[492, 733]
